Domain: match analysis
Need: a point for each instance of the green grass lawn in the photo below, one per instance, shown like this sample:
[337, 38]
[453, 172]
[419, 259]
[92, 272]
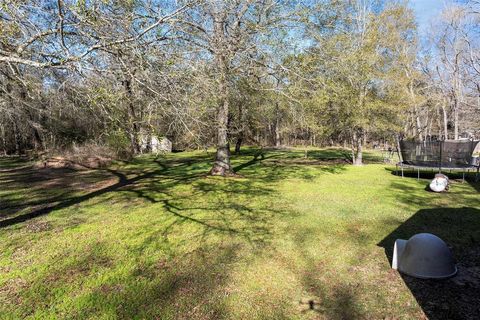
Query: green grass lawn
[291, 238]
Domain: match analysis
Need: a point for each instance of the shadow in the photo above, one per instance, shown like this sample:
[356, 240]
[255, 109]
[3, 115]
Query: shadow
[122, 182]
[169, 238]
[66, 199]
[10, 164]
[55, 189]
[457, 297]
[270, 165]
[475, 183]
[29, 187]
[155, 183]
[337, 300]
[257, 157]
[429, 173]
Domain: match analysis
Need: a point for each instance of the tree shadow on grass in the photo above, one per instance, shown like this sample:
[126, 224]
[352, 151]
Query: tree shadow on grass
[458, 297]
[184, 287]
[67, 198]
[338, 301]
[42, 188]
[219, 215]
[272, 165]
[148, 180]
[188, 286]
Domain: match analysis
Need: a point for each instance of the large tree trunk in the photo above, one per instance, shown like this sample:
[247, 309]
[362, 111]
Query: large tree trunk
[221, 166]
[358, 148]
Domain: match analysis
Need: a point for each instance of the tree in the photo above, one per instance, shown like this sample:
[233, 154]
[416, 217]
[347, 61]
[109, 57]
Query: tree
[226, 31]
[355, 62]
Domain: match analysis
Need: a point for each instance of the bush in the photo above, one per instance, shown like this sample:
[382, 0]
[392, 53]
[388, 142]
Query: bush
[119, 144]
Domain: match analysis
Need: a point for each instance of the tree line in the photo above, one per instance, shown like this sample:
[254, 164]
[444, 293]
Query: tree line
[226, 73]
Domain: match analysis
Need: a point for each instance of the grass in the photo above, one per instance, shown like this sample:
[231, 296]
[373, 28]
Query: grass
[292, 238]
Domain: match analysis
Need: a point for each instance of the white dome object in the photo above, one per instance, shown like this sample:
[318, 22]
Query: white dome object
[424, 256]
[439, 183]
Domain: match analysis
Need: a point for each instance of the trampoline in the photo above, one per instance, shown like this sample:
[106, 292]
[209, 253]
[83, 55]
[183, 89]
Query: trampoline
[439, 156]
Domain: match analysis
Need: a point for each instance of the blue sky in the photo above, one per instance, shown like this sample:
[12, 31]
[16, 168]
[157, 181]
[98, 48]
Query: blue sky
[425, 10]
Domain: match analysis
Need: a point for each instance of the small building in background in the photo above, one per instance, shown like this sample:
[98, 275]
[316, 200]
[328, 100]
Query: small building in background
[154, 144]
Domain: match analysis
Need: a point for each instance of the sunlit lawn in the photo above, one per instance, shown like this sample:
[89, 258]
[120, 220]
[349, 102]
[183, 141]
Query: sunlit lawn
[290, 238]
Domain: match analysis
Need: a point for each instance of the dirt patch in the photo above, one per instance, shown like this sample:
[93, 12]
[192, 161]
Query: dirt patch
[12, 288]
[92, 162]
[43, 188]
[38, 226]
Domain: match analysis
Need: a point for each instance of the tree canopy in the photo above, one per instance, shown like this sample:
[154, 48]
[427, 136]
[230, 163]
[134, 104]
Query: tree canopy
[219, 73]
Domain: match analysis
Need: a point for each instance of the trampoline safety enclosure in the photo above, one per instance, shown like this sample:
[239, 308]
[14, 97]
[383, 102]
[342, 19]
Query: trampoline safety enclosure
[447, 155]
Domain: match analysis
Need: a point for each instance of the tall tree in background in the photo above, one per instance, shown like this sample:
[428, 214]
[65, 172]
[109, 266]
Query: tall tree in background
[227, 31]
[356, 62]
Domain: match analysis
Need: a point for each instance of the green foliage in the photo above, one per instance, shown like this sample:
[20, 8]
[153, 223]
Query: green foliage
[119, 142]
[354, 74]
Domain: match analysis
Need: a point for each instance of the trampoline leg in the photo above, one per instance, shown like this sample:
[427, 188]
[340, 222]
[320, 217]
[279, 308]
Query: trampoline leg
[463, 177]
[418, 174]
[402, 171]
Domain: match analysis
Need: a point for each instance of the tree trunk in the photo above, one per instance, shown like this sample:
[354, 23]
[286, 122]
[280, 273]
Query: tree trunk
[439, 123]
[221, 166]
[358, 145]
[223, 57]
[419, 129]
[16, 137]
[148, 145]
[238, 144]
[445, 123]
[397, 140]
[4, 140]
[353, 149]
[133, 129]
[359, 157]
[278, 143]
[455, 119]
[37, 139]
[240, 135]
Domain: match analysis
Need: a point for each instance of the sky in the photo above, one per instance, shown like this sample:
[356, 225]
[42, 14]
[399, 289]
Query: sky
[425, 10]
